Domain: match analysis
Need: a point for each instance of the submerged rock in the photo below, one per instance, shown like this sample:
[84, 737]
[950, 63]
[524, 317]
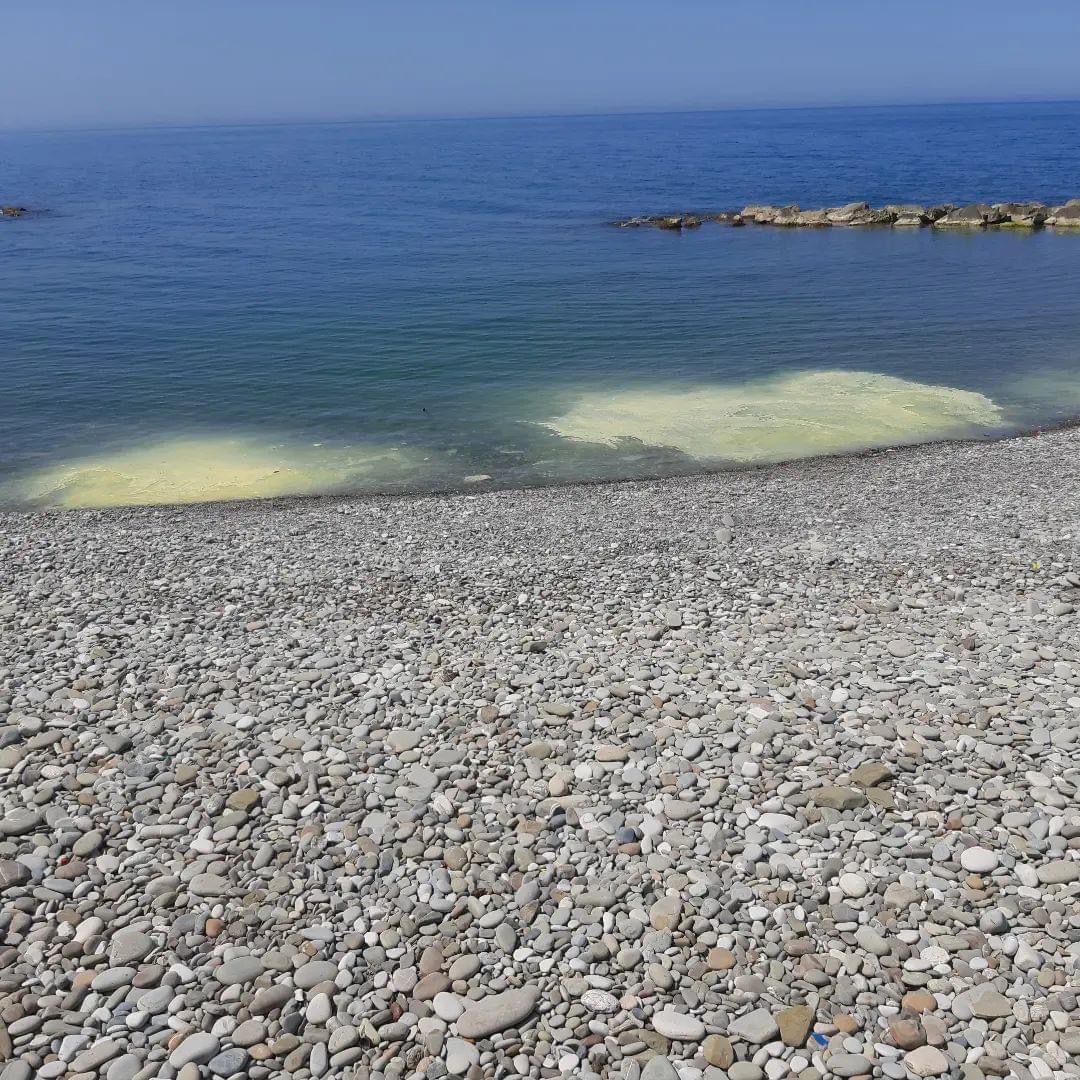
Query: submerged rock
[13, 211]
[674, 222]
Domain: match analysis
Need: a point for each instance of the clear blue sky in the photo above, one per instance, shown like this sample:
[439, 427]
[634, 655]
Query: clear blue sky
[66, 63]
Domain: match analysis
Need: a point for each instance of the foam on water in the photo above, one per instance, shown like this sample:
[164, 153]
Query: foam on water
[776, 419]
[205, 469]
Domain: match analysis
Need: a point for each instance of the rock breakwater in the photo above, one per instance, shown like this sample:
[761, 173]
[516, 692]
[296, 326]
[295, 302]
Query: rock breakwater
[1015, 215]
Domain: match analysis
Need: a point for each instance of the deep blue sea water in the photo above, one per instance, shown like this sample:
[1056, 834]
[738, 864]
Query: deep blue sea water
[220, 311]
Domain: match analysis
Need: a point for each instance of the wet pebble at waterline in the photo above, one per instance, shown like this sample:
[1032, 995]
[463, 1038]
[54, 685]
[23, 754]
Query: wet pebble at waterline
[745, 777]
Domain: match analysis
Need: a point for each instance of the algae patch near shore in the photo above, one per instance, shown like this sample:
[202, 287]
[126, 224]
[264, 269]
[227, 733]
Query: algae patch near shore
[755, 422]
[204, 469]
[790, 416]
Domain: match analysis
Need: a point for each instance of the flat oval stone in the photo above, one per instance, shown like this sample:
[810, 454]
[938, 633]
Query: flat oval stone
[600, 1001]
[853, 885]
[676, 1025]
[129, 947]
[315, 972]
[197, 1048]
[240, 969]
[208, 885]
[497, 1012]
[978, 860]
[1059, 872]
[20, 822]
[849, 1065]
[447, 1006]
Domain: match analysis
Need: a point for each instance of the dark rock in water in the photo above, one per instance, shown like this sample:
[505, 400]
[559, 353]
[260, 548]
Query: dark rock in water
[727, 217]
[1029, 215]
[907, 216]
[975, 216]
[13, 211]
[677, 221]
[967, 217]
[1067, 216]
[882, 216]
[660, 221]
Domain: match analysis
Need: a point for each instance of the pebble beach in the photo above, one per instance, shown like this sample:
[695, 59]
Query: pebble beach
[763, 774]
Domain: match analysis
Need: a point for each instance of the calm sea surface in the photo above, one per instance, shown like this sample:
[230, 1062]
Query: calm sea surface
[220, 312]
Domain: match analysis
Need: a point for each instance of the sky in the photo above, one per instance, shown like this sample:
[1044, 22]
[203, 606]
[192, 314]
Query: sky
[74, 63]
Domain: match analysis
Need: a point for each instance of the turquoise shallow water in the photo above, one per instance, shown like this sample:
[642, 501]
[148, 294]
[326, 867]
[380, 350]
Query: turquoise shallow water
[218, 312]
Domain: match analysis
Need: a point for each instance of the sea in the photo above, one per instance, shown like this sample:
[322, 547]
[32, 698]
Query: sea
[203, 313]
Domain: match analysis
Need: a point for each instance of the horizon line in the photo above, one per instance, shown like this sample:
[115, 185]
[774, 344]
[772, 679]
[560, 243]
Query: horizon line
[407, 118]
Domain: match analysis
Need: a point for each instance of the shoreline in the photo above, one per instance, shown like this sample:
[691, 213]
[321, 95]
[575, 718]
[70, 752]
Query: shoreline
[705, 471]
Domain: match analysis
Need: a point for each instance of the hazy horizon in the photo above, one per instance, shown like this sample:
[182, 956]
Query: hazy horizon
[117, 64]
[582, 114]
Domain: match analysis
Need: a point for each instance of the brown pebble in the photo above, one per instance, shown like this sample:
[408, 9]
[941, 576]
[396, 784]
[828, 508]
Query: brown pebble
[721, 960]
[717, 1051]
[906, 1034]
[919, 1001]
